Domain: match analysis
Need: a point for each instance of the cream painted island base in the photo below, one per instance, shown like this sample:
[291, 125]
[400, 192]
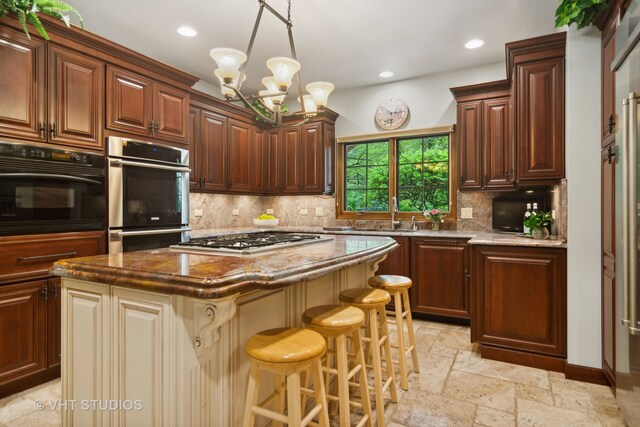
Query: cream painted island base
[140, 358]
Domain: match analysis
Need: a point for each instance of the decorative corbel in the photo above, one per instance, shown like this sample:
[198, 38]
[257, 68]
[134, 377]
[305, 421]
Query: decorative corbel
[218, 314]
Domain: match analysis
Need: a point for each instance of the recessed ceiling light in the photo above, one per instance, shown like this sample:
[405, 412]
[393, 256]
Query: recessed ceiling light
[386, 74]
[187, 31]
[474, 44]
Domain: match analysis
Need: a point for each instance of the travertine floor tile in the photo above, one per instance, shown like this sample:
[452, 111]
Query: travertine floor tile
[534, 414]
[459, 340]
[536, 394]
[39, 419]
[481, 390]
[494, 418]
[434, 370]
[610, 416]
[433, 410]
[15, 406]
[472, 362]
[46, 392]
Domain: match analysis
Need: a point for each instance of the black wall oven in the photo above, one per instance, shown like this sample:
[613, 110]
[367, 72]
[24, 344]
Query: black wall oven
[148, 195]
[49, 190]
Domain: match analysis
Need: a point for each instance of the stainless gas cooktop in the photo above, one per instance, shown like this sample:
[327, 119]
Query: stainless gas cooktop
[247, 244]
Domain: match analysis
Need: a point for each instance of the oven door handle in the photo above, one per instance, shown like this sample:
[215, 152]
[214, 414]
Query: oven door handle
[50, 176]
[148, 232]
[149, 165]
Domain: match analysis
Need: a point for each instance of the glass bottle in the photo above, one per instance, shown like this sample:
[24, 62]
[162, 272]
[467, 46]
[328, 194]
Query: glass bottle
[526, 230]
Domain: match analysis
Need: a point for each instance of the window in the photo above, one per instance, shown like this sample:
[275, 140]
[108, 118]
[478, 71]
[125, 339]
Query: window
[415, 167]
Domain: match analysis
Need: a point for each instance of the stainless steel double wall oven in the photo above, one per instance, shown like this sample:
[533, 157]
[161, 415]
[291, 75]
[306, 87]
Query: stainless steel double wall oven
[148, 195]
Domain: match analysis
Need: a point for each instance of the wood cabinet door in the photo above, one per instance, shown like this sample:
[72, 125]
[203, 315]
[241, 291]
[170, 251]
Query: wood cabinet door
[293, 161]
[397, 262]
[170, 113]
[22, 86]
[212, 155]
[608, 84]
[470, 145]
[440, 274]
[313, 155]
[54, 325]
[274, 173]
[329, 159]
[239, 146]
[194, 145]
[129, 102]
[257, 161]
[499, 156]
[76, 99]
[521, 298]
[608, 177]
[23, 330]
[540, 116]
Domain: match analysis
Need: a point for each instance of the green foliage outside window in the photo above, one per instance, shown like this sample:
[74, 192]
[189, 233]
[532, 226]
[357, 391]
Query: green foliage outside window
[422, 174]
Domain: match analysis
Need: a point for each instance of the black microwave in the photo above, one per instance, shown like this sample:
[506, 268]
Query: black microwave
[508, 209]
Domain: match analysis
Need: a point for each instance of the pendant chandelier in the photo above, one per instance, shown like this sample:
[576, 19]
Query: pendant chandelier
[267, 105]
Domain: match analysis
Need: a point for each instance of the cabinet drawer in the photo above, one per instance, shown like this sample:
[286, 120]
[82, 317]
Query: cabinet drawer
[22, 257]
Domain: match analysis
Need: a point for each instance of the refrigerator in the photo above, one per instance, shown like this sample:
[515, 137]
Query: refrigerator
[626, 65]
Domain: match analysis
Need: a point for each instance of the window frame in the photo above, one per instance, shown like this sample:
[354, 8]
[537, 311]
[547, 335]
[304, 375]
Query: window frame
[393, 138]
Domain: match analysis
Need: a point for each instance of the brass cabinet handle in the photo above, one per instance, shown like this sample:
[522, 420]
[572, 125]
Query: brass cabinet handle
[43, 128]
[611, 125]
[151, 128]
[45, 292]
[39, 257]
[54, 291]
[53, 130]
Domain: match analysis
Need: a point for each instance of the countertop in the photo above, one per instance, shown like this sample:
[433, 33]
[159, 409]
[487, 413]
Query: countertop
[217, 276]
[476, 237]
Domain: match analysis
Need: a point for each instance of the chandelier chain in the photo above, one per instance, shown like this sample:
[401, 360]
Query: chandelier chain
[289, 11]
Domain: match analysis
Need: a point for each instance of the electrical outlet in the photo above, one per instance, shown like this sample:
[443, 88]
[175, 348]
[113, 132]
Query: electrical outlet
[553, 213]
[235, 212]
[304, 211]
[466, 213]
[269, 211]
[197, 212]
[319, 211]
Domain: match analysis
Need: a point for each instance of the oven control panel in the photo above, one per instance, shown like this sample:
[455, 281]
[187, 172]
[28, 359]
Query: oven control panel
[43, 153]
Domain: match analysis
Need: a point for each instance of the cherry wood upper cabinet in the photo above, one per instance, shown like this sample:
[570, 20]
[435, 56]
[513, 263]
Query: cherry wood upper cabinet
[470, 145]
[313, 157]
[129, 101]
[76, 99]
[32, 73]
[257, 161]
[274, 156]
[540, 118]
[194, 142]
[22, 86]
[212, 152]
[239, 146]
[499, 156]
[329, 158]
[293, 160]
[141, 106]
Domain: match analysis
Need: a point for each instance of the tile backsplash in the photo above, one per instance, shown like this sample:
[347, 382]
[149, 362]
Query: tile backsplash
[217, 211]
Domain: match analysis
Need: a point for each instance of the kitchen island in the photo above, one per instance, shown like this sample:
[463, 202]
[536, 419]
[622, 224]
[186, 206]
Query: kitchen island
[157, 337]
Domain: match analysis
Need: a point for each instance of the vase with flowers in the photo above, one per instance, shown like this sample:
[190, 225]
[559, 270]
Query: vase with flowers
[538, 223]
[436, 216]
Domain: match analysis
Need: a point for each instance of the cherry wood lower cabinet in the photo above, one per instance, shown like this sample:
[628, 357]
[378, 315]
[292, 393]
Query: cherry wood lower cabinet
[520, 297]
[397, 262]
[30, 346]
[440, 274]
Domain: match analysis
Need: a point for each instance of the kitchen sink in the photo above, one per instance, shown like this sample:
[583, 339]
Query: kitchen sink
[404, 230]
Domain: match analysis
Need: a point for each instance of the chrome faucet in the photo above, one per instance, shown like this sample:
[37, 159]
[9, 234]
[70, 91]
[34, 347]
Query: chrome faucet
[413, 223]
[394, 210]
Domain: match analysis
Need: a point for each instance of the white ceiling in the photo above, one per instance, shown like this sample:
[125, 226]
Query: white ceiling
[347, 42]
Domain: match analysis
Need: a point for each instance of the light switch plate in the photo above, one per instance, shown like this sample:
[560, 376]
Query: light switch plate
[319, 211]
[466, 213]
[269, 211]
[197, 212]
[235, 212]
[304, 211]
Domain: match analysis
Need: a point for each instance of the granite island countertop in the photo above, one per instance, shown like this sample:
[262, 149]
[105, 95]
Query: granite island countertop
[477, 237]
[216, 276]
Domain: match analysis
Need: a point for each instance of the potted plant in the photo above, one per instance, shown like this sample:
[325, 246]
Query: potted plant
[579, 12]
[538, 223]
[27, 12]
[436, 216]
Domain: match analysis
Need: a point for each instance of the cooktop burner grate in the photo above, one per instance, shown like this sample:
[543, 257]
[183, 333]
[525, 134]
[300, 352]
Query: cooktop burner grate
[248, 243]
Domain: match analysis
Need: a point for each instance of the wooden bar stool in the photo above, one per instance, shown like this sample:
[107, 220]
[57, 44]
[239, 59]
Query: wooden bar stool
[398, 287]
[372, 302]
[337, 322]
[286, 352]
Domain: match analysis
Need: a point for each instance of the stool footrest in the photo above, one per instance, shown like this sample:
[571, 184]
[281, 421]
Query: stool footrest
[312, 413]
[270, 414]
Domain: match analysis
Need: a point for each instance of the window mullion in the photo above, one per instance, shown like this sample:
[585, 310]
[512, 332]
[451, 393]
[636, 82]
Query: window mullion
[393, 171]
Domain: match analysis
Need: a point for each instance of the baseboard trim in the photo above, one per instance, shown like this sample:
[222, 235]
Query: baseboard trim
[586, 374]
[521, 358]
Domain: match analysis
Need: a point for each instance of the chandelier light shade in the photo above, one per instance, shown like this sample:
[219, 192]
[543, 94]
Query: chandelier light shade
[229, 62]
[320, 93]
[283, 70]
[227, 91]
[230, 72]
